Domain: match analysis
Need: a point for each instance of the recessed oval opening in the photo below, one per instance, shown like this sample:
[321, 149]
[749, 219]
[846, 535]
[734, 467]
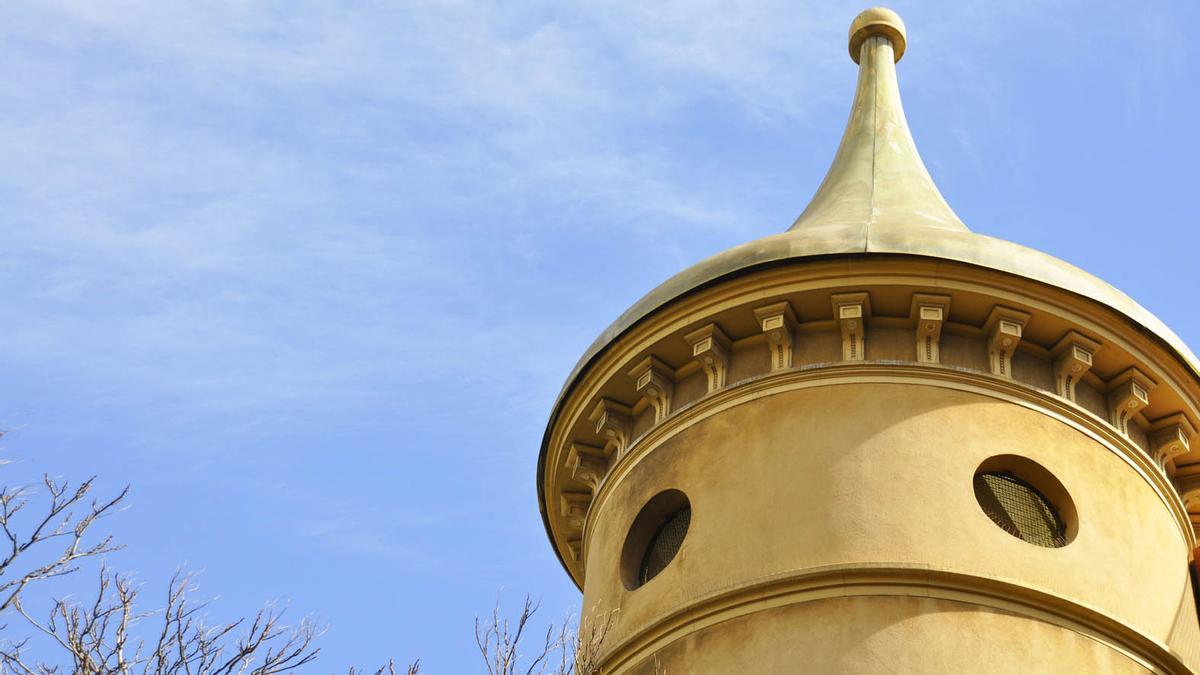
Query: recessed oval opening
[1025, 500]
[655, 537]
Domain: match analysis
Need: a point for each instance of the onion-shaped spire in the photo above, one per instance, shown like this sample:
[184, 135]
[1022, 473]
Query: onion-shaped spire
[877, 179]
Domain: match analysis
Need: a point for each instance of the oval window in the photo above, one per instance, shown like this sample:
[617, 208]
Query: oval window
[665, 544]
[1019, 508]
[655, 537]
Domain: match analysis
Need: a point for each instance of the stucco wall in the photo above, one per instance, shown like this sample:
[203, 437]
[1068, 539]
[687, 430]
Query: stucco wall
[878, 474]
[887, 635]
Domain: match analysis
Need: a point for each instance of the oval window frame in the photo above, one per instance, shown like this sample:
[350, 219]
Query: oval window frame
[1045, 483]
[645, 527]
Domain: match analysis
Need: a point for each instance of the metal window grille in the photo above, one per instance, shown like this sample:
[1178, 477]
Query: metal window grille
[664, 544]
[1019, 509]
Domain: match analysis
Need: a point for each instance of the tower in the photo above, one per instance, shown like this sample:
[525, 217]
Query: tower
[879, 442]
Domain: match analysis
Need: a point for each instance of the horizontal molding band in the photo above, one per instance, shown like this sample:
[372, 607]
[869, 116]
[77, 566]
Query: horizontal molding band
[899, 579]
[824, 375]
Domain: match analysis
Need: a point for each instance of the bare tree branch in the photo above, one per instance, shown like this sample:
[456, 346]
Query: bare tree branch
[111, 634]
[500, 643]
[97, 638]
[58, 522]
[414, 668]
[586, 644]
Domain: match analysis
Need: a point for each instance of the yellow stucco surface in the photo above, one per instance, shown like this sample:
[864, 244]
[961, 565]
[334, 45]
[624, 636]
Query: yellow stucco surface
[880, 475]
[871, 635]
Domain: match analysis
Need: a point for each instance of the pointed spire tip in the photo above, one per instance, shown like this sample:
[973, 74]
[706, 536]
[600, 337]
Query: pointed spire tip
[877, 183]
[877, 21]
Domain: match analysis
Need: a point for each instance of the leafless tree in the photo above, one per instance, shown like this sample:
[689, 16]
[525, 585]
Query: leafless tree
[585, 645]
[110, 634]
[500, 644]
[98, 637]
[57, 523]
[414, 668]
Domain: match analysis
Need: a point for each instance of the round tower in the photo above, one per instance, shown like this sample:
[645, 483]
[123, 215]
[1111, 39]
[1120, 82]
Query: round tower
[879, 442]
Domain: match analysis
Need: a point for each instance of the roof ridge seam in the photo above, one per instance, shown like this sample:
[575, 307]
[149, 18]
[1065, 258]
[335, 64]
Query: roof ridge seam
[872, 63]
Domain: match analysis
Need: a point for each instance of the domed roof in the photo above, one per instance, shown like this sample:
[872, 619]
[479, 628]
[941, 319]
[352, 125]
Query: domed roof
[878, 198]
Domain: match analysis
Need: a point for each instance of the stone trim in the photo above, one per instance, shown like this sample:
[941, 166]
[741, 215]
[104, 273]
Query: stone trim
[928, 313]
[588, 464]
[1072, 358]
[778, 323]
[656, 381]
[710, 348]
[1178, 395]
[614, 422]
[1004, 327]
[1170, 437]
[1128, 394]
[851, 311]
[705, 609]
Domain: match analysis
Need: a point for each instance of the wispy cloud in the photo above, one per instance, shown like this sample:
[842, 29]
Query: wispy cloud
[309, 274]
[247, 206]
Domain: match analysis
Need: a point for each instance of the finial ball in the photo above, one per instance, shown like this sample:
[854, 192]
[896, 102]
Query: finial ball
[877, 21]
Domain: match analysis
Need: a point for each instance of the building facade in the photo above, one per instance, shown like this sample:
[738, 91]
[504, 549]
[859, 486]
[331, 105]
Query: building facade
[879, 442]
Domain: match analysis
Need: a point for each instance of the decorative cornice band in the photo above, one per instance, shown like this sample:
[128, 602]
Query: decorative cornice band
[891, 579]
[822, 375]
[780, 284]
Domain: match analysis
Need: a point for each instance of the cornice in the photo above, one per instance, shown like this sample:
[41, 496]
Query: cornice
[890, 579]
[762, 297]
[1007, 390]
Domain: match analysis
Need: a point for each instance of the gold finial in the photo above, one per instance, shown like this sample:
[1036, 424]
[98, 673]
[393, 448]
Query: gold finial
[877, 182]
[877, 21]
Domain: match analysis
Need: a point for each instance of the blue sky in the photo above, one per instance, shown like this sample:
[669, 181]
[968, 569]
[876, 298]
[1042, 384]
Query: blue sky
[309, 275]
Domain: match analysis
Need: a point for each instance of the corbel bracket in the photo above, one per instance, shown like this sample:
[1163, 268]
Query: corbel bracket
[1003, 328]
[1072, 358]
[575, 548]
[613, 423]
[1170, 437]
[1188, 487]
[1128, 394]
[710, 348]
[656, 381]
[851, 311]
[574, 507]
[587, 464]
[778, 323]
[928, 313]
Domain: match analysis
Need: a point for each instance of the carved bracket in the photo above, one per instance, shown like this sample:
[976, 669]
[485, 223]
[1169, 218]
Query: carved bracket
[1128, 394]
[778, 323]
[1003, 327]
[587, 464]
[710, 347]
[1170, 437]
[929, 312]
[575, 548]
[1072, 358]
[851, 311]
[574, 507]
[1189, 491]
[613, 423]
[656, 381]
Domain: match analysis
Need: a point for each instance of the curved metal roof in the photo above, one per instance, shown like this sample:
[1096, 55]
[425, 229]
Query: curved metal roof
[878, 197]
